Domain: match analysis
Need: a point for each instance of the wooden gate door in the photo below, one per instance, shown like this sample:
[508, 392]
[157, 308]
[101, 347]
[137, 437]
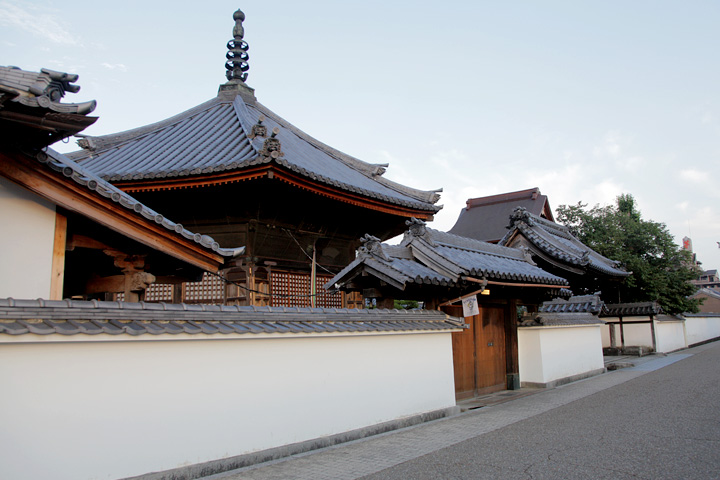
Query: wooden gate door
[479, 353]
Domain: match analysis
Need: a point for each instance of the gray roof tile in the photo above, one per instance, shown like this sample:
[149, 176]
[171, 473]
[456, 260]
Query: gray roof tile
[558, 242]
[437, 258]
[72, 317]
[213, 137]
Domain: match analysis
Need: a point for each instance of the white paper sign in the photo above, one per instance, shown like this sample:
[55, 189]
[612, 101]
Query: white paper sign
[470, 306]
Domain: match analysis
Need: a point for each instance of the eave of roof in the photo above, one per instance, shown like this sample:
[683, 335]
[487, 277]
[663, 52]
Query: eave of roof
[72, 317]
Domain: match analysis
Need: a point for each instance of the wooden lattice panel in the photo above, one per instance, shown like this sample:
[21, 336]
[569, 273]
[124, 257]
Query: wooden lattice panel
[293, 290]
[159, 292]
[208, 290]
[324, 297]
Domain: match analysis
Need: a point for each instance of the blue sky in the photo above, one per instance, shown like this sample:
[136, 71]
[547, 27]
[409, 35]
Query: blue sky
[586, 100]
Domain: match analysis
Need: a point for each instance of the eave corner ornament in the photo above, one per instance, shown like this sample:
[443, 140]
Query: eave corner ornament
[258, 130]
[520, 214]
[372, 246]
[237, 56]
[416, 227]
[272, 147]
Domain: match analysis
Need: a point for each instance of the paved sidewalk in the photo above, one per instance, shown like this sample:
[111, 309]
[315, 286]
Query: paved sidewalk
[356, 459]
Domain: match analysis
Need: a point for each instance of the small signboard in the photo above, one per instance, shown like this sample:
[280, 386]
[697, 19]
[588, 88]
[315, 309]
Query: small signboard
[470, 306]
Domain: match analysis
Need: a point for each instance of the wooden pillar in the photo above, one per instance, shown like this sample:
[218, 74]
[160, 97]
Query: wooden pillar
[652, 332]
[622, 334]
[313, 277]
[57, 278]
[511, 347]
[251, 283]
[177, 293]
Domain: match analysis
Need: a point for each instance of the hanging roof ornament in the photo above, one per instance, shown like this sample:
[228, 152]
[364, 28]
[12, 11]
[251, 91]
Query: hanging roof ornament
[237, 56]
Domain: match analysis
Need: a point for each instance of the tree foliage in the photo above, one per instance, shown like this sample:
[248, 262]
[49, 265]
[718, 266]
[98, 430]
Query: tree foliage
[661, 270]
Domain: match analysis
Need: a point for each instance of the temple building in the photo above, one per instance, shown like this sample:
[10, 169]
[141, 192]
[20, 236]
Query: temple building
[524, 220]
[235, 170]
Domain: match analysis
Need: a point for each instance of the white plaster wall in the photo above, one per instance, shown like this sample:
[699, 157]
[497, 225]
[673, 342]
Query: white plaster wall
[670, 336]
[546, 354]
[26, 244]
[104, 410]
[636, 335]
[702, 328]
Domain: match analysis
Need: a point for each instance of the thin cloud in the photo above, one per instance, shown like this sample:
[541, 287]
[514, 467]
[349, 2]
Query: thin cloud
[39, 24]
[115, 66]
[610, 146]
[694, 176]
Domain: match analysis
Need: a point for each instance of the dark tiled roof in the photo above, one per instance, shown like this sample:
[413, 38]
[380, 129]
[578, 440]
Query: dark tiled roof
[578, 310]
[631, 309]
[486, 218]
[72, 317]
[578, 304]
[432, 257]
[42, 89]
[80, 175]
[559, 319]
[557, 242]
[215, 137]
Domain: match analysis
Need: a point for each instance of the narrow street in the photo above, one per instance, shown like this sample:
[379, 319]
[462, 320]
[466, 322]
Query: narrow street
[658, 420]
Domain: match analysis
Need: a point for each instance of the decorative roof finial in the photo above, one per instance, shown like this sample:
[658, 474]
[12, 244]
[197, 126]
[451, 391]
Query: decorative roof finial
[237, 56]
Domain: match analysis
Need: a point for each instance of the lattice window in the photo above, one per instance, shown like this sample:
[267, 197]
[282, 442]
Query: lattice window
[159, 292]
[208, 290]
[293, 290]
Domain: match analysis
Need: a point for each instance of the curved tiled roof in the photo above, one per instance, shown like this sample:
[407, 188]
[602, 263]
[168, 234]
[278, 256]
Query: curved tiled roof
[439, 258]
[483, 259]
[216, 137]
[557, 242]
[73, 317]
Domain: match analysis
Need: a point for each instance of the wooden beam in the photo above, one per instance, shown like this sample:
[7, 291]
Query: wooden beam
[57, 278]
[30, 174]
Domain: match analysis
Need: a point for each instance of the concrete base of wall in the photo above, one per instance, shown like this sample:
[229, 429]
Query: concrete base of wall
[563, 381]
[199, 470]
[710, 340]
[637, 351]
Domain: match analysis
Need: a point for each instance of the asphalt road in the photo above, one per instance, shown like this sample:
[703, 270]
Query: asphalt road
[658, 420]
[662, 425]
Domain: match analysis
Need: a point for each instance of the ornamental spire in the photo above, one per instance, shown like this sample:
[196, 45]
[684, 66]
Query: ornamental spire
[237, 56]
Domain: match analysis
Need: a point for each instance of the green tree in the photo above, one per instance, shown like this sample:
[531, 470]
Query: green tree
[661, 270]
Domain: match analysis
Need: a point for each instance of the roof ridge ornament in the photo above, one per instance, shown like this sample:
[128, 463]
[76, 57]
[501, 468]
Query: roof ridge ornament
[520, 214]
[258, 130]
[372, 246]
[272, 147]
[416, 227]
[237, 56]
